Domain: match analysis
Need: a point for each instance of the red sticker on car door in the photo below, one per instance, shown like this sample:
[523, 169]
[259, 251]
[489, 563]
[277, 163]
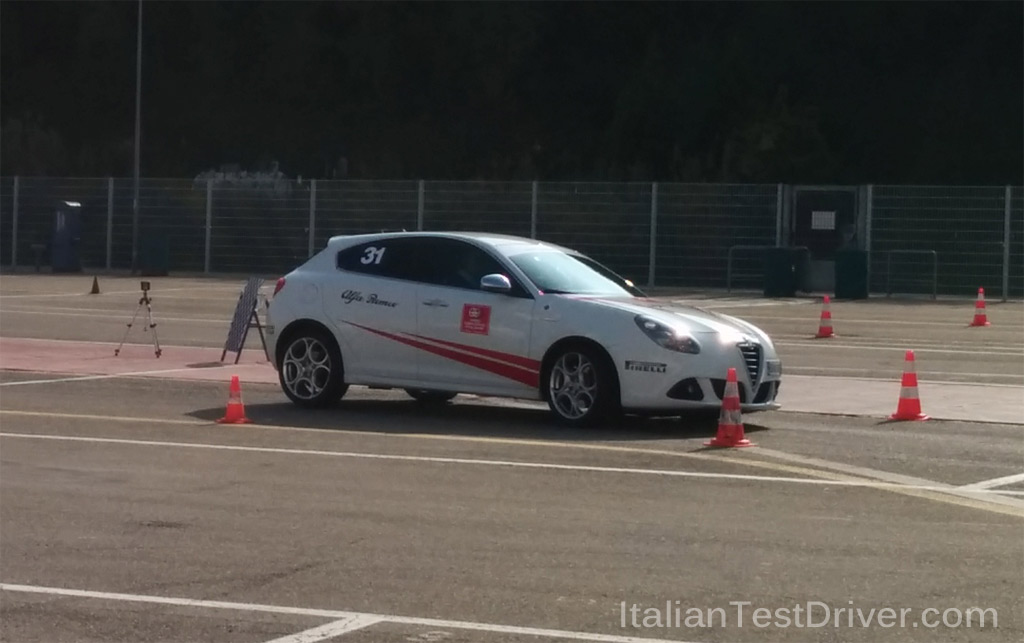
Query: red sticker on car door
[476, 319]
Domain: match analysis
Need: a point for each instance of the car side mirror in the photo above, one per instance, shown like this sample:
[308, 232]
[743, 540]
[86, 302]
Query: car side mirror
[495, 283]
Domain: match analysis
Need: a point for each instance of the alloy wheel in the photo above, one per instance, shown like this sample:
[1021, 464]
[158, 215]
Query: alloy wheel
[306, 368]
[572, 385]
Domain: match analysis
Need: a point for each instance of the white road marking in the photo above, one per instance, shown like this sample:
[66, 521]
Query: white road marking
[839, 320]
[329, 631]
[430, 459]
[919, 341]
[84, 378]
[869, 484]
[736, 303]
[994, 482]
[90, 342]
[923, 341]
[907, 482]
[107, 418]
[380, 618]
[154, 294]
[429, 637]
[896, 350]
[815, 370]
[980, 503]
[526, 631]
[106, 311]
[110, 316]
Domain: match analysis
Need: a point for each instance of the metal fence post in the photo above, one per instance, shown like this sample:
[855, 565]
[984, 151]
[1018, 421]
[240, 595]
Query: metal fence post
[778, 216]
[533, 212]
[867, 222]
[867, 229]
[14, 227]
[312, 215]
[1006, 244]
[652, 251]
[209, 225]
[419, 206]
[110, 222]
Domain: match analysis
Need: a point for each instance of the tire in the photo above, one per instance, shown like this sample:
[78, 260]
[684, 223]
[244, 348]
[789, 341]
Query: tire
[581, 387]
[430, 397]
[311, 373]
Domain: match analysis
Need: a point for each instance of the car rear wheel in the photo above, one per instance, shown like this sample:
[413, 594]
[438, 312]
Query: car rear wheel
[581, 387]
[311, 371]
[428, 396]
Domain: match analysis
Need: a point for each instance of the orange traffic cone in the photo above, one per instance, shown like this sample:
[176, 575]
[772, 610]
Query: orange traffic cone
[95, 286]
[730, 424]
[980, 318]
[909, 407]
[235, 413]
[825, 325]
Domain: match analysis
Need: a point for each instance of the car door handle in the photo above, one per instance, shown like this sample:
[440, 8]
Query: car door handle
[435, 302]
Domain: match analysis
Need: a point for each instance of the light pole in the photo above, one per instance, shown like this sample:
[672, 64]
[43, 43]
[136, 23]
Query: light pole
[138, 112]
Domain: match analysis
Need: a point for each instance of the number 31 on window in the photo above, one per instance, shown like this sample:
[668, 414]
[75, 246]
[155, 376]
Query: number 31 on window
[373, 255]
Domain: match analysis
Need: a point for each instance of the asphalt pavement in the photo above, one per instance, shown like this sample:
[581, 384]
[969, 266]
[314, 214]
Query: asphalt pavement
[127, 513]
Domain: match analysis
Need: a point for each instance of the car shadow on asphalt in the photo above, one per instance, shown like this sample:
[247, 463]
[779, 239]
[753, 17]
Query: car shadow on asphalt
[475, 420]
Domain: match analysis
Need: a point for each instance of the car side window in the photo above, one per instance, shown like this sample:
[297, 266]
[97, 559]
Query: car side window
[393, 258]
[456, 264]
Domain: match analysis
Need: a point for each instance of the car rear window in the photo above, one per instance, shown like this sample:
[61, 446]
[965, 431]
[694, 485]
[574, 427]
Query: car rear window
[392, 258]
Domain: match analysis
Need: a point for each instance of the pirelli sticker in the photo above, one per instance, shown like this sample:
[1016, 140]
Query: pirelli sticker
[646, 367]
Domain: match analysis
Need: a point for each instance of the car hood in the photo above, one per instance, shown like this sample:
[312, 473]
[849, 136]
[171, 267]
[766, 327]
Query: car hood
[692, 319]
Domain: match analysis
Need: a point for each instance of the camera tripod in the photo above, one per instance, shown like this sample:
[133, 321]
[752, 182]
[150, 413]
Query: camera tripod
[147, 302]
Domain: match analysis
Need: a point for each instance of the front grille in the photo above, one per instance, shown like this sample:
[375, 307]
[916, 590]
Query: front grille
[752, 357]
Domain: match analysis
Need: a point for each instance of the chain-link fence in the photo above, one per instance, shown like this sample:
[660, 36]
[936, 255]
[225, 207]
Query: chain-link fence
[944, 239]
[610, 222]
[1015, 239]
[698, 224]
[256, 230]
[952, 235]
[8, 236]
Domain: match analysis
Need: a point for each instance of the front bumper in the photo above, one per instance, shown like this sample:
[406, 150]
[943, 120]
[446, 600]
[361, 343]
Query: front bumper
[705, 391]
[696, 384]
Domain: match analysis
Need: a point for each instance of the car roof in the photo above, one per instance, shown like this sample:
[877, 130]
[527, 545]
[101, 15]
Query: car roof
[503, 243]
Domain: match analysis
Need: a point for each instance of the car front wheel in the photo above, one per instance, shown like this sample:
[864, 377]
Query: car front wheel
[581, 387]
[311, 372]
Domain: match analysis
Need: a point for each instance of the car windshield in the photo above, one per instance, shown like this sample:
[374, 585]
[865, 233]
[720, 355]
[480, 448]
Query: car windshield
[561, 273]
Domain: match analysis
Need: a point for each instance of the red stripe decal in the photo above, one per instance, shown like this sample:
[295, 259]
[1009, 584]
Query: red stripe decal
[511, 371]
[525, 362]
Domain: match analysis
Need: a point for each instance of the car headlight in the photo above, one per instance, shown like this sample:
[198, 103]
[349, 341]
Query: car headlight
[666, 337]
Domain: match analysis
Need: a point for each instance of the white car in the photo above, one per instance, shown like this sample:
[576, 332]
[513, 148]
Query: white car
[443, 313]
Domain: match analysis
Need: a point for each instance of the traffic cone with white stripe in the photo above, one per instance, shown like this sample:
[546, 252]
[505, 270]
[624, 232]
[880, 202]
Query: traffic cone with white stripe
[980, 318]
[909, 407]
[825, 325]
[235, 412]
[730, 422]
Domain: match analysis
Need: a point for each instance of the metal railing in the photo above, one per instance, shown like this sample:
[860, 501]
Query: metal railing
[935, 269]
